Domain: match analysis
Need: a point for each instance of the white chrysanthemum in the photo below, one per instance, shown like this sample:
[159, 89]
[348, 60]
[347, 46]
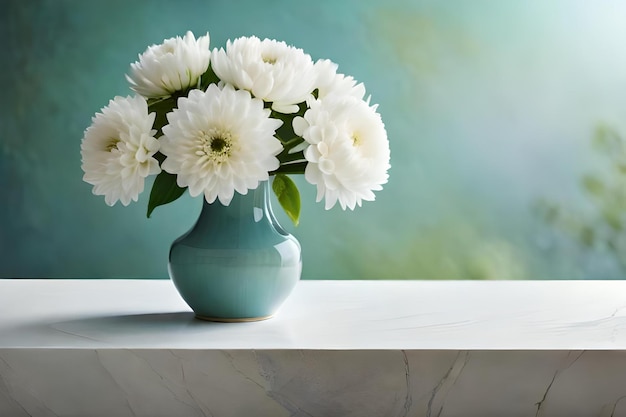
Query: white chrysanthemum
[220, 141]
[174, 65]
[117, 150]
[348, 155]
[329, 82]
[270, 70]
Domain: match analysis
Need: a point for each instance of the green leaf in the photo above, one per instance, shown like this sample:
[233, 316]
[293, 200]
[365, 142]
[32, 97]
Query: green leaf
[209, 77]
[288, 196]
[164, 190]
[161, 107]
[285, 131]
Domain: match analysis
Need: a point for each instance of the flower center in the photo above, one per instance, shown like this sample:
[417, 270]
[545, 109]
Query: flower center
[356, 139]
[216, 144]
[112, 144]
[269, 59]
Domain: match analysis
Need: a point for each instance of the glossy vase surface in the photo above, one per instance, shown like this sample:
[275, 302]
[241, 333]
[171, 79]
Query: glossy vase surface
[236, 263]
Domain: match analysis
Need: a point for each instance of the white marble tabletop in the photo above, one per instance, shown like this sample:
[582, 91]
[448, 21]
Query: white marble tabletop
[132, 348]
[323, 315]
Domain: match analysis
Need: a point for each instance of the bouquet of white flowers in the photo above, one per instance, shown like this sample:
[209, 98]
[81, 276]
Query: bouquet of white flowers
[220, 121]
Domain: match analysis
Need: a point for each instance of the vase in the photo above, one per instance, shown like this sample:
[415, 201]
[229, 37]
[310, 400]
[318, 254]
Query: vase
[236, 263]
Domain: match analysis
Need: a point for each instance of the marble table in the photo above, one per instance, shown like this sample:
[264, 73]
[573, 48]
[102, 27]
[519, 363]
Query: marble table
[337, 348]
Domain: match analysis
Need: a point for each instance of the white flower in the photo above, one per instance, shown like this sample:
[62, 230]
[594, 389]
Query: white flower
[329, 82]
[174, 65]
[270, 70]
[117, 150]
[348, 155]
[220, 141]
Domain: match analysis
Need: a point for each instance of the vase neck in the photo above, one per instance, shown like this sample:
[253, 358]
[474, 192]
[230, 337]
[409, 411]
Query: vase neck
[253, 207]
[247, 219]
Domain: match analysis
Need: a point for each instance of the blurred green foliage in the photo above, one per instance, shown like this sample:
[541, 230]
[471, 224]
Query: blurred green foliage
[600, 228]
[453, 249]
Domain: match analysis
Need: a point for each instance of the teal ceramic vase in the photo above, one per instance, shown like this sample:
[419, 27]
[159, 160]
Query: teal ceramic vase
[236, 263]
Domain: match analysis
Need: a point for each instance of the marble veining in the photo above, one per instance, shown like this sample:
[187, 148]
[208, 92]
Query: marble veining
[440, 391]
[408, 399]
[571, 358]
[130, 382]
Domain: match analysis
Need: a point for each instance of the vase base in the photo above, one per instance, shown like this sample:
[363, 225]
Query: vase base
[233, 320]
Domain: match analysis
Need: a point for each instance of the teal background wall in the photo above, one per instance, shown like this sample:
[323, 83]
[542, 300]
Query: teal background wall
[490, 108]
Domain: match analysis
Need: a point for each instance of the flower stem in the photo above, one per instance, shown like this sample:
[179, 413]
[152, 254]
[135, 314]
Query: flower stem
[285, 157]
[293, 168]
[291, 143]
